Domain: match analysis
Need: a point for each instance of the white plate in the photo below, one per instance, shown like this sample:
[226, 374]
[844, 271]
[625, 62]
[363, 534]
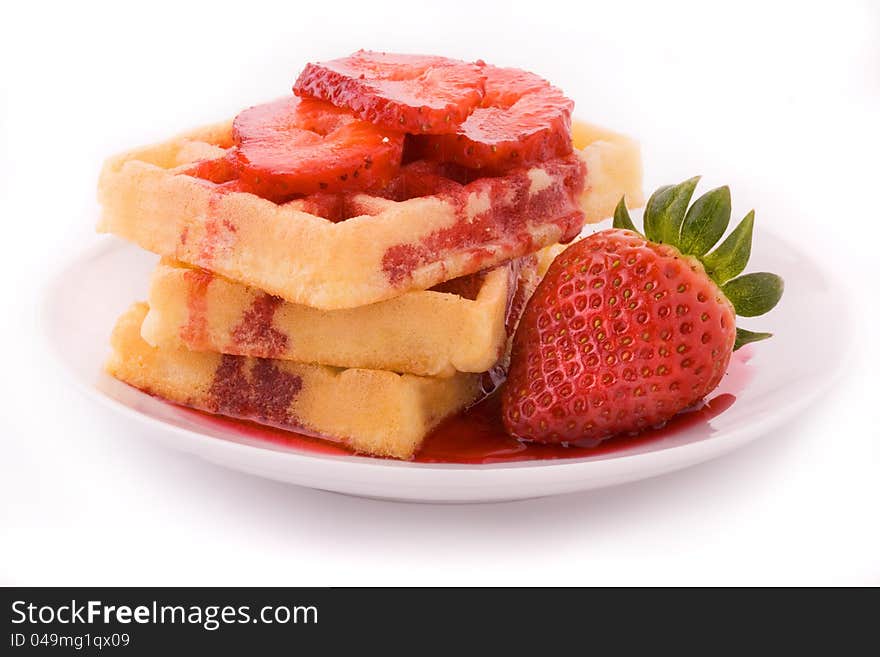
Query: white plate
[784, 375]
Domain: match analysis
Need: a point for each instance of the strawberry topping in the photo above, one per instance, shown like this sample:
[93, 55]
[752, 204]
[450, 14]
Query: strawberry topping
[355, 120]
[522, 120]
[417, 94]
[300, 146]
[424, 178]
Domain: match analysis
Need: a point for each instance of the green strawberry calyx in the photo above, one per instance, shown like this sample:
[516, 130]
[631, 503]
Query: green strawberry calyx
[694, 229]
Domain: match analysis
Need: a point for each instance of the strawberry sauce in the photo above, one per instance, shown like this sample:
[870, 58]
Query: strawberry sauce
[255, 333]
[477, 435]
[195, 331]
[512, 213]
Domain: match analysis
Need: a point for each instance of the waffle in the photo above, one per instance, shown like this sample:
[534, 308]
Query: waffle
[384, 247]
[461, 325]
[371, 411]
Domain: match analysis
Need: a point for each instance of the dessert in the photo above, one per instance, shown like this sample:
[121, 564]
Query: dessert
[461, 325]
[227, 198]
[378, 247]
[351, 261]
[370, 411]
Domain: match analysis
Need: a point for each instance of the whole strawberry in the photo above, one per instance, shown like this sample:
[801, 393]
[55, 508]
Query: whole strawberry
[627, 330]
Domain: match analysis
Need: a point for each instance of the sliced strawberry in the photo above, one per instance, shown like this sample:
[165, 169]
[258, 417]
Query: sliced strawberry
[522, 120]
[299, 146]
[424, 178]
[410, 93]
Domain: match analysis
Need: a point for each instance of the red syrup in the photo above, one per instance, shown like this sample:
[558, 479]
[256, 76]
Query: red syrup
[477, 435]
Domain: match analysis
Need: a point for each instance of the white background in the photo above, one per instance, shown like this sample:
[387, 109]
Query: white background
[780, 100]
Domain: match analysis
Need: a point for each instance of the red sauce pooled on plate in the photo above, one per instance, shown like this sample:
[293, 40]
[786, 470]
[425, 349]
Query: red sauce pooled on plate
[477, 435]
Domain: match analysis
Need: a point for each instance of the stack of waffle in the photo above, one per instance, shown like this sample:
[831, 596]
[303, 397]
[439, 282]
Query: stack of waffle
[362, 319]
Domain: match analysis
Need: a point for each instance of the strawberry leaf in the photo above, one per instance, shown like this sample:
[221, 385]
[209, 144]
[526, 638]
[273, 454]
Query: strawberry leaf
[622, 218]
[732, 255]
[744, 337]
[650, 213]
[754, 294]
[665, 210]
[705, 222]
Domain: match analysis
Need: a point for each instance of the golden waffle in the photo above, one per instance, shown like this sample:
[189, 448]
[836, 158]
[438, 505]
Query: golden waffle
[461, 325]
[384, 248]
[371, 411]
